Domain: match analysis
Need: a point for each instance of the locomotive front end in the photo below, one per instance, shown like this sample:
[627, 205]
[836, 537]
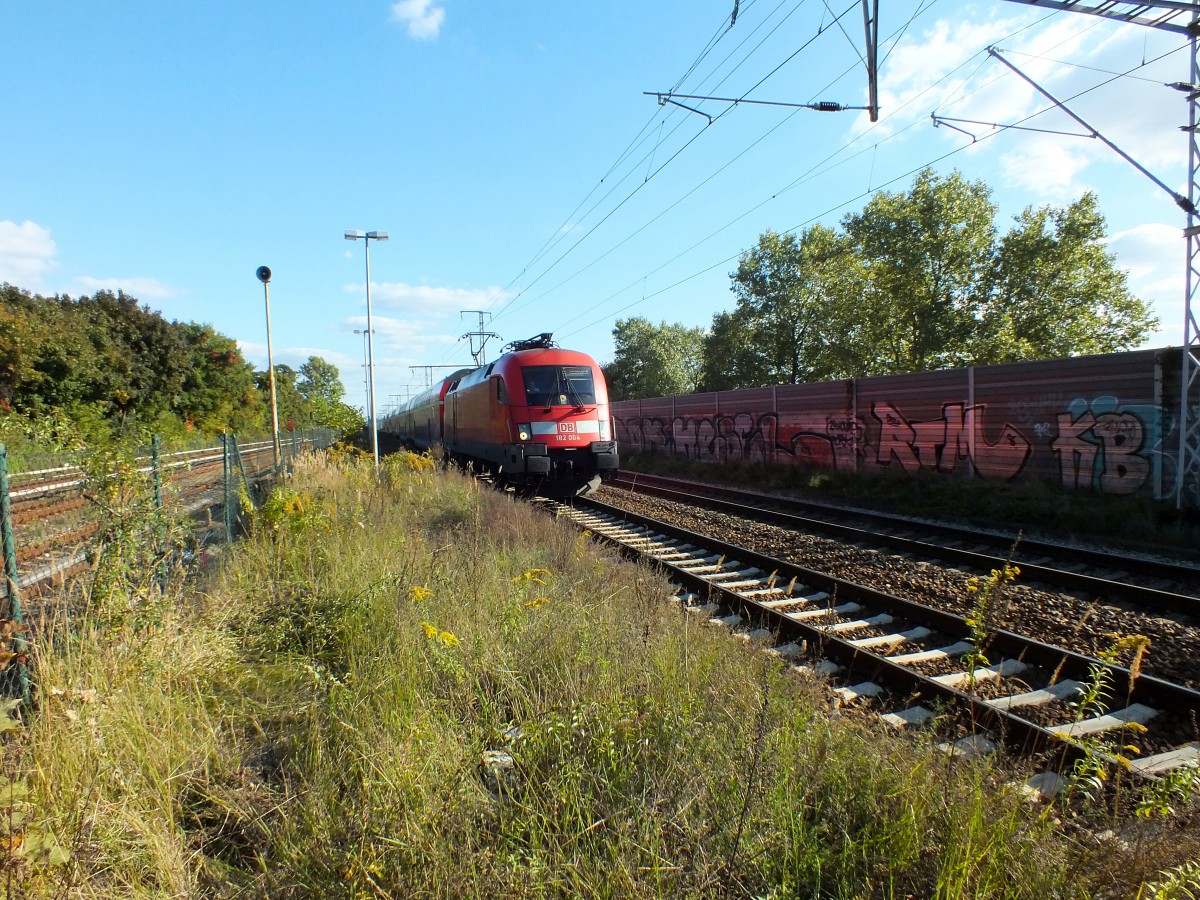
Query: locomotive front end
[561, 418]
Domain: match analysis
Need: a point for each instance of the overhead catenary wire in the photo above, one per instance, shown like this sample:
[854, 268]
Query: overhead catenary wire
[643, 140]
[564, 230]
[851, 200]
[814, 171]
[508, 307]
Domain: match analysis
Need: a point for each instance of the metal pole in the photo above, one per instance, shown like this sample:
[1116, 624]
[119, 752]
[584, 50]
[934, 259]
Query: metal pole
[10, 576]
[10, 544]
[271, 375]
[1187, 474]
[156, 467]
[371, 360]
[226, 481]
[366, 374]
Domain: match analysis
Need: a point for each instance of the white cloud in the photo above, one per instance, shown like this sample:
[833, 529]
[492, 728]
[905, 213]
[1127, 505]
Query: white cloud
[141, 288]
[1154, 255]
[1048, 165]
[421, 17]
[26, 253]
[437, 301]
[1071, 57]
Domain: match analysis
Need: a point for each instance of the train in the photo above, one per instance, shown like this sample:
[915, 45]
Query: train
[537, 419]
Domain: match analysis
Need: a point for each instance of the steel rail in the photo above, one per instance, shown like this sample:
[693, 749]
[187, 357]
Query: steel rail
[1030, 554]
[1013, 729]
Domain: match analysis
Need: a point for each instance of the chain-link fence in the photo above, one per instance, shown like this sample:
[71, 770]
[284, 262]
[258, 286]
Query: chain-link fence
[48, 517]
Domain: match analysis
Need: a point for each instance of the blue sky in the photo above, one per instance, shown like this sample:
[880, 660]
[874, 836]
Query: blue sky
[170, 149]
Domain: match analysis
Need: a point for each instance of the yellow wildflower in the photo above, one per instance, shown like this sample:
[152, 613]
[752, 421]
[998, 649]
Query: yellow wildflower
[537, 603]
[418, 592]
[448, 639]
[431, 630]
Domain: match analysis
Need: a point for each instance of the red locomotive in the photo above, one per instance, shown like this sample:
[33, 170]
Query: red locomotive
[537, 418]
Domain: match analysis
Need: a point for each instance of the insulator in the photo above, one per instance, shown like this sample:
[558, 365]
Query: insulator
[827, 106]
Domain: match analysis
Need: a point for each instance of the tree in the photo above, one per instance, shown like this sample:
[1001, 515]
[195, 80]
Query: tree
[218, 390]
[927, 254]
[731, 358]
[289, 405]
[653, 360]
[795, 318]
[320, 385]
[919, 280]
[320, 379]
[21, 333]
[1056, 291]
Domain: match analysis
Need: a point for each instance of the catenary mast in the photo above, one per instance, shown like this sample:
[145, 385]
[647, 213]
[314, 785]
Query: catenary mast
[1181, 18]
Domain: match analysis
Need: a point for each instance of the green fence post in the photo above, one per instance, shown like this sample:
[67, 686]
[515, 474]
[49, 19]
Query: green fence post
[10, 574]
[236, 460]
[156, 467]
[227, 487]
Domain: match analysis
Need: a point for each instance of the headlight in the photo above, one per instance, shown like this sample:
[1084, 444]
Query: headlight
[523, 432]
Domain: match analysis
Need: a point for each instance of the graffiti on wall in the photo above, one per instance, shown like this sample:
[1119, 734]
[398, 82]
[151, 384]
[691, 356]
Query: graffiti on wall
[955, 436]
[740, 437]
[1102, 445]
[1097, 443]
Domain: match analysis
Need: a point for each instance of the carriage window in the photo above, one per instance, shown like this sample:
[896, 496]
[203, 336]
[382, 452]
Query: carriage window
[501, 392]
[558, 385]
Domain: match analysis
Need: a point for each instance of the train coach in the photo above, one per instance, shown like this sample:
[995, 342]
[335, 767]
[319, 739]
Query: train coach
[537, 418]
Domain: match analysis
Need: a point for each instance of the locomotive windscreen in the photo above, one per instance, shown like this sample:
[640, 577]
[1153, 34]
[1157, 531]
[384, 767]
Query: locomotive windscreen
[558, 385]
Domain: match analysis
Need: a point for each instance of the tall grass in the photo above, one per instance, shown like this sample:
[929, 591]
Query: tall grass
[418, 688]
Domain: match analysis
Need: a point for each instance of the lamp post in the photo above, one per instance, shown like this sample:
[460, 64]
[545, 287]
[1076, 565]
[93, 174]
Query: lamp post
[366, 383]
[367, 237]
[264, 275]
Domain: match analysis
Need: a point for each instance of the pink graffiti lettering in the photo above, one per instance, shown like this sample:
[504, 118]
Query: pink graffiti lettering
[896, 439]
[940, 443]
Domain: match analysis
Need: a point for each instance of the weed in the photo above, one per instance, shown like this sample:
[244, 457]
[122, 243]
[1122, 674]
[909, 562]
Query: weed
[135, 540]
[442, 693]
[1180, 883]
[986, 612]
[1100, 750]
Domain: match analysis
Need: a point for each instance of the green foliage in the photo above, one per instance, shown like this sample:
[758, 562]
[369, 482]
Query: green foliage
[1056, 290]
[1164, 794]
[796, 318]
[109, 364]
[133, 542]
[218, 392]
[1180, 883]
[320, 380]
[986, 611]
[1102, 750]
[311, 397]
[25, 841]
[291, 510]
[653, 360]
[919, 280]
[392, 708]
[927, 253]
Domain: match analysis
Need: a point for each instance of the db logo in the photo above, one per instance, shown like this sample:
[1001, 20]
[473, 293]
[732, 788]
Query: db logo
[566, 426]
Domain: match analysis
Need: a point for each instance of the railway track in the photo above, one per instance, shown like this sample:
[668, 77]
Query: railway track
[54, 522]
[1144, 583]
[913, 662]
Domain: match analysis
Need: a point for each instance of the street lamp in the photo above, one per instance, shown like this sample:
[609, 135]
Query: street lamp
[367, 237]
[264, 275]
[366, 385]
